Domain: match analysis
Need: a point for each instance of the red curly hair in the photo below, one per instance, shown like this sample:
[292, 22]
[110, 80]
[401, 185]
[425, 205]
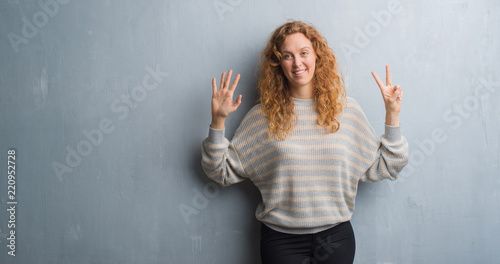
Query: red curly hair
[274, 91]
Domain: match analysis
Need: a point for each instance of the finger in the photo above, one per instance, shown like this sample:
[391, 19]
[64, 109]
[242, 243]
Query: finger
[222, 81]
[228, 79]
[377, 79]
[391, 94]
[235, 82]
[214, 86]
[388, 75]
[238, 101]
[396, 93]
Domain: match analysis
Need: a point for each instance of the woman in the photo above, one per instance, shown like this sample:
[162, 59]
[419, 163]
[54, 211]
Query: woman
[305, 146]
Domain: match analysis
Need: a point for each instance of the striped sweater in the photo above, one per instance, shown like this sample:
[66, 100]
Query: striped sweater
[308, 181]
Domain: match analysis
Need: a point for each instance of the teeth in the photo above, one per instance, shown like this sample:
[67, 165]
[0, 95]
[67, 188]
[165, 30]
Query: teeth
[299, 72]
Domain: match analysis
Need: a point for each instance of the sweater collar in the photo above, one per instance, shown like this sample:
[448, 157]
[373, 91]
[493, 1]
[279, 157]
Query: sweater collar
[303, 102]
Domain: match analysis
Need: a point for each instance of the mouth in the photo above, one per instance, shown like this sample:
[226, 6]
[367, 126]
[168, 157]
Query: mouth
[298, 72]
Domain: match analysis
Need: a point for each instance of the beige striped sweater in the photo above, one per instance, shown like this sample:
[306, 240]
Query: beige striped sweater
[308, 181]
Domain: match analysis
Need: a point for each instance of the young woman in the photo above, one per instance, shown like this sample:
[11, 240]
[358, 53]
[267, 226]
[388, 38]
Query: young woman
[305, 146]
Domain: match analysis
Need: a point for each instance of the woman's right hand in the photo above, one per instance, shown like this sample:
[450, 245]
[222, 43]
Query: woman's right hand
[222, 100]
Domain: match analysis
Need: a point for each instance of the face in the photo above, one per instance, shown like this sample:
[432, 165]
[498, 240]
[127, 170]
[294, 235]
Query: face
[298, 62]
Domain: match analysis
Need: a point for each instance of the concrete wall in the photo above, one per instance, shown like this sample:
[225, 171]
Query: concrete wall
[106, 104]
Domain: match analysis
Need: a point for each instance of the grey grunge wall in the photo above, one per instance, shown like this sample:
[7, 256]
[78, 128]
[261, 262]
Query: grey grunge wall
[104, 105]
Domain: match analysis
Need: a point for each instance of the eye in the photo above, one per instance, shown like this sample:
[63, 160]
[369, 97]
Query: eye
[286, 56]
[304, 53]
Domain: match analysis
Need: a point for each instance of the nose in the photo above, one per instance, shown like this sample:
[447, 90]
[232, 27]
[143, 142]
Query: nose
[297, 62]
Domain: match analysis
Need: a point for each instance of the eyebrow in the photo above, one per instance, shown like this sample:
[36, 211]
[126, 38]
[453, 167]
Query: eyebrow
[303, 48]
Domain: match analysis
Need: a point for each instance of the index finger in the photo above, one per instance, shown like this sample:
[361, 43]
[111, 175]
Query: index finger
[377, 79]
[235, 82]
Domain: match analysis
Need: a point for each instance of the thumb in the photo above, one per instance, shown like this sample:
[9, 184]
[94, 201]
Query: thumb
[238, 101]
[396, 92]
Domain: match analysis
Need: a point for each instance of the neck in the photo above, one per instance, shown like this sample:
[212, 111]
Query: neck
[302, 92]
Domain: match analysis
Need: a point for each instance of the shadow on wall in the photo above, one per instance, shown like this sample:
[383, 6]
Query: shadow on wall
[210, 192]
[250, 196]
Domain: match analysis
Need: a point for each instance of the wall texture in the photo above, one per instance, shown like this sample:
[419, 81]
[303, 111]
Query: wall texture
[106, 104]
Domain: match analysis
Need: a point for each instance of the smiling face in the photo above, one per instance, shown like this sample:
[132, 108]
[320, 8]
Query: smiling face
[298, 64]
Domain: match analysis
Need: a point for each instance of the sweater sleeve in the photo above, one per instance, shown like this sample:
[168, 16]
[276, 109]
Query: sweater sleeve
[391, 156]
[220, 160]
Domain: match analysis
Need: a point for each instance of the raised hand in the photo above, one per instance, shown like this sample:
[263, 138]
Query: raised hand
[222, 99]
[392, 96]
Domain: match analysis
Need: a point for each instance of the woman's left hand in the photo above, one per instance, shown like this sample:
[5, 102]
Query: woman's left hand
[392, 96]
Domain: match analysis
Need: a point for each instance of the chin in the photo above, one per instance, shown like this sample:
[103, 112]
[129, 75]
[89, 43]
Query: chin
[303, 83]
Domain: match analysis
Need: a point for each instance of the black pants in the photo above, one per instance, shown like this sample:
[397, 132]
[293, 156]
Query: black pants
[334, 245]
